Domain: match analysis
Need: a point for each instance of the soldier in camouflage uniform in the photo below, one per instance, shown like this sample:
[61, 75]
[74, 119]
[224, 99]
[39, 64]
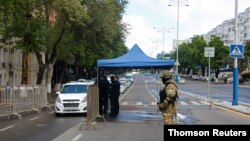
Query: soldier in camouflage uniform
[168, 98]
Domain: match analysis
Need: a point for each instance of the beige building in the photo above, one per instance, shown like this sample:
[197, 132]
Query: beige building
[11, 65]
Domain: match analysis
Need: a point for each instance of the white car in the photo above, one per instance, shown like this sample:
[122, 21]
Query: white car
[181, 80]
[72, 98]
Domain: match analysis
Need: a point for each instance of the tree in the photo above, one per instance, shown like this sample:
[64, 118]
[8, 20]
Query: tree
[81, 29]
[192, 54]
[22, 21]
[221, 56]
[186, 59]
[198, 44]
[59, 39]
[102, 36]
[245, 61]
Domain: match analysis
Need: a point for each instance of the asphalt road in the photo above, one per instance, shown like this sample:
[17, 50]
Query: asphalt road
[195, 111]
[42, 127]
[222, 92]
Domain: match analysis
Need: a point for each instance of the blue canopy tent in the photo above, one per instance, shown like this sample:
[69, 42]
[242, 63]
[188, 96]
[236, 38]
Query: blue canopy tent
[135, 58]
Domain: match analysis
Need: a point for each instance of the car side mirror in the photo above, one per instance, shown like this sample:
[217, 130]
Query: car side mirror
[57, 93]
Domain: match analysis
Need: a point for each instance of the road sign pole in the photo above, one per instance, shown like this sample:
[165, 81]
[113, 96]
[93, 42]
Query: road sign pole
[209, 83]
[235, 71]
[209, 52]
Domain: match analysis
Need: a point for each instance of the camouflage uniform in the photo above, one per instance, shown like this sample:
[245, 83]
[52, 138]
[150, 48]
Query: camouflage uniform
[168, 105]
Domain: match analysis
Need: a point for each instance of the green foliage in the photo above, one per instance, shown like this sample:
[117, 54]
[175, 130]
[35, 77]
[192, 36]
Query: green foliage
[191, 55]
[22, 20]
[244, 62]
[221, 56]
[84, 30]
[246, 76]
[247, 48]
[198, 45]
[105, 31]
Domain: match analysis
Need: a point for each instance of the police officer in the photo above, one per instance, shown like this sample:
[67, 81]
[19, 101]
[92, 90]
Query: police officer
[114, 96]
[104, 86]
[168, 97]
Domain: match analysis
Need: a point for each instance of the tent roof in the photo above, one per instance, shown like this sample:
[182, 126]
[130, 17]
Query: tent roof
[135, 58]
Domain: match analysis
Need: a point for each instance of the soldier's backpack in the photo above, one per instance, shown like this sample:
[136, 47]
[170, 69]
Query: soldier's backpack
[163, 95]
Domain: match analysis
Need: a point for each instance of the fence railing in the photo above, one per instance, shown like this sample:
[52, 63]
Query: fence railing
[17, 99]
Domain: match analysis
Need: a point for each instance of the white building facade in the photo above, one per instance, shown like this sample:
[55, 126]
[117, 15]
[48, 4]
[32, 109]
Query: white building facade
[226, 29]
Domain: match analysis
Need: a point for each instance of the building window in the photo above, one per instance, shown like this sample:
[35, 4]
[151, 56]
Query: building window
[1, 79]
[245, 35]
[2, 55]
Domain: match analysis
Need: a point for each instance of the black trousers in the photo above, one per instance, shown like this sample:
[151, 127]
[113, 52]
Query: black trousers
[114, 103]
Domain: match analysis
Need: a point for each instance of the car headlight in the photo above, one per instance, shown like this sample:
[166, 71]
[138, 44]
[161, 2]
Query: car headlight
[84, 100]
[58, 100]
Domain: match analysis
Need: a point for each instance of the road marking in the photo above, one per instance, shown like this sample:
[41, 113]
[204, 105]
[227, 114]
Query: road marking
[138, 103]
[6, 128]
[231, 110]
[181, 116]
[183, 103]
[34, 118]
[204, 102]
[153, 103]
[41, 125]
[127, 91]
[52, 112]
[244, 103]
[76, 138]
[150, 92]
[124, 103]
[195, 103]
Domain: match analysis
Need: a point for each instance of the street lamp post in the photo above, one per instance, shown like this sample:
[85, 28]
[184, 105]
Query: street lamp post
[177, 3]
[155, 45]
[163, 39]
[163, 43]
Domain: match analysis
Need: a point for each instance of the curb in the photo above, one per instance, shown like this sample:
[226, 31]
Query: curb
[225, 104]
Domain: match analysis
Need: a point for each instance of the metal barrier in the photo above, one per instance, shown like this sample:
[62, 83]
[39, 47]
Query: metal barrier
[92, 105]
[5, 103]
[17, 99]
[22, 99]
[40, 97]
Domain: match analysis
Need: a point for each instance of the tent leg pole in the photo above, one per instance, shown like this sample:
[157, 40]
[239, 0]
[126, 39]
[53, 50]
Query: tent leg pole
[97, 75]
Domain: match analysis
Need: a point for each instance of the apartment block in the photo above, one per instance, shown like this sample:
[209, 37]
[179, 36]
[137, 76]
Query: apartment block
[226, 29]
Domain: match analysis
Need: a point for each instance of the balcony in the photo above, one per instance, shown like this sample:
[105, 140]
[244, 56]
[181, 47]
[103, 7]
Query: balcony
[3, 65]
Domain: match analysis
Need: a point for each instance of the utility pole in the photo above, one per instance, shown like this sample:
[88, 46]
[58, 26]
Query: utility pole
[177, 3]
[235, 71]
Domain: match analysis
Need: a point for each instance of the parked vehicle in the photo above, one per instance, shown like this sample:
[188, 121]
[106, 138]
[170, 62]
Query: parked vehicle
[72, 98]
[196, 77]
[181, 80]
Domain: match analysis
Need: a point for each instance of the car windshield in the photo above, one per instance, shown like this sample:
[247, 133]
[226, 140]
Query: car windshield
[74, 89]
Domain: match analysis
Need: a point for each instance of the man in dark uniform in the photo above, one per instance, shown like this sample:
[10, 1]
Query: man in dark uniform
[168, 97]
[103, 95]
[114, 96]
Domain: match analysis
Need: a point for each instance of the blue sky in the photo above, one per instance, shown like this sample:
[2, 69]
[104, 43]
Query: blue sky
[148, 18]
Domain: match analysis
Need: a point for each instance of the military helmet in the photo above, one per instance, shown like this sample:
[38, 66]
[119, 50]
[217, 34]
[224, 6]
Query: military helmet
[166, 74]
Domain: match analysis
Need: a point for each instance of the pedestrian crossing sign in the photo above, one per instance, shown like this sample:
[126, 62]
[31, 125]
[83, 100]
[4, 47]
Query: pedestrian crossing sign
[236, 51]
